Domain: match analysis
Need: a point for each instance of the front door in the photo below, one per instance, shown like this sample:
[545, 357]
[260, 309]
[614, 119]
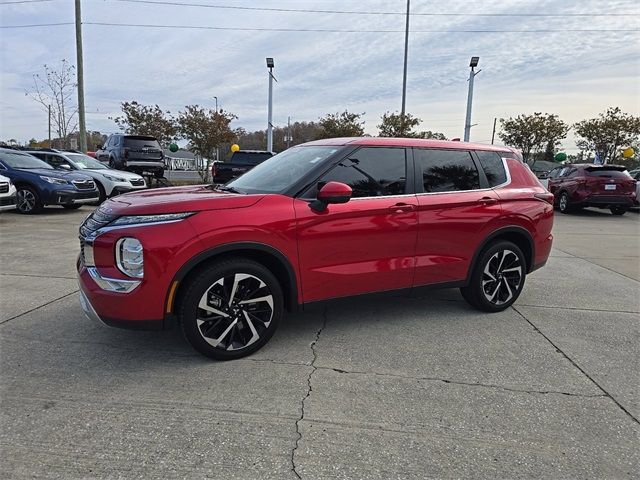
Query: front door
[364, 245]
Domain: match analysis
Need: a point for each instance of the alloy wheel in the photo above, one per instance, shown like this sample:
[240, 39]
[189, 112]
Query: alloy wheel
[502, 276]
[235, 311]
[564, 202]
[25, 200]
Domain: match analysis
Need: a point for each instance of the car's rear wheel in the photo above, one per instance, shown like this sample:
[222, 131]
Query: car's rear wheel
[27, 200]
[231, 309]
[497, 278]
[618, 210]
[564, 203]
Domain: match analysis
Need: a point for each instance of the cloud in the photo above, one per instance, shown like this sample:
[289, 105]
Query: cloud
[573, 74]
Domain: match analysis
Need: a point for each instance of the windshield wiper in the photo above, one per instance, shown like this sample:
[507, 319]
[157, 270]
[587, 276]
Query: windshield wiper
[229, 189]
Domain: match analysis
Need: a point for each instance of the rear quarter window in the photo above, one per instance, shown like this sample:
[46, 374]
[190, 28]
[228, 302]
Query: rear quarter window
[493, 167]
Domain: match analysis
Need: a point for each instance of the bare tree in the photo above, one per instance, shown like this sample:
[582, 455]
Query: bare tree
[56, 90]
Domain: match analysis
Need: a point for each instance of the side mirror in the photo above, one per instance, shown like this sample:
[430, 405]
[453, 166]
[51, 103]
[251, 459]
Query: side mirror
[332, 192]
[543, 175]
[64, 166]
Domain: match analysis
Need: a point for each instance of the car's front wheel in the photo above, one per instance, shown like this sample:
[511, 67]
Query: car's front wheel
[231, 309]
[27, 200]
[497, 279]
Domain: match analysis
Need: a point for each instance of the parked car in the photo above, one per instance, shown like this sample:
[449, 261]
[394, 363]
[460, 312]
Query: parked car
[635, 174]
[326, 219]
[38, 184]
[240, 162]
[135, 153]
[109, 182]
[7, 194]
[582, 185]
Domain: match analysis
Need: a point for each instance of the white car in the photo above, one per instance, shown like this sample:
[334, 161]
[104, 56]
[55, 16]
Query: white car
[7, 194]
[110, 182]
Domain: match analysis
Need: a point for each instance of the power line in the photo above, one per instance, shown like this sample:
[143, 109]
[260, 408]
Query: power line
[318, 30]
[16, 2]
[355, 12]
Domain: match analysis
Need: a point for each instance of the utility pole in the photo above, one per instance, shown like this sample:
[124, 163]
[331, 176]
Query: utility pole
[472, 75]
[49, 109]
[270, 113]
[80, 72]
[493, 134]
[404, 74]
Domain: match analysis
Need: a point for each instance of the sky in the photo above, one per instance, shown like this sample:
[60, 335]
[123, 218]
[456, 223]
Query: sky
[551, 67]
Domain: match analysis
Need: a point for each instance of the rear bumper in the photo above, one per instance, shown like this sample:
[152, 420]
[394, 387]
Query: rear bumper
[605, 201]
[144, 165]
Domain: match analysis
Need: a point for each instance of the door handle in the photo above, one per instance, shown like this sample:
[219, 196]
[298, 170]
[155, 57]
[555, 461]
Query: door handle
[487, 200]
[402, 207]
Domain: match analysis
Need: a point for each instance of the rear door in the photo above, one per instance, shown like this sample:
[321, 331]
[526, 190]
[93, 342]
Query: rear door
[455, 208]
[367, 244]
[608, 181]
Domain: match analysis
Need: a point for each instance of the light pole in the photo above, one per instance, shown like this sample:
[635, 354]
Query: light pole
[80, 72]
[404, 73]
[472, 75]
[270, 114]
[216, 99]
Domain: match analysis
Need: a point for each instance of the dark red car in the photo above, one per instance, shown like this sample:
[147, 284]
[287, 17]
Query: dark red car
[326, 219]
[587, 185]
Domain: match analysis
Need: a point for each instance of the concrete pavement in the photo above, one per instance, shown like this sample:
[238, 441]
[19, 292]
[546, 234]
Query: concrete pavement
[386, 388]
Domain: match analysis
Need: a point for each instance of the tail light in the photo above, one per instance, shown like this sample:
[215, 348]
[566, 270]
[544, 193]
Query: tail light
[214, 170]
[545, 197]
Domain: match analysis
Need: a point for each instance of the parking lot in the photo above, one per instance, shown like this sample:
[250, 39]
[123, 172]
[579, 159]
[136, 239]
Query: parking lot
[387, 388]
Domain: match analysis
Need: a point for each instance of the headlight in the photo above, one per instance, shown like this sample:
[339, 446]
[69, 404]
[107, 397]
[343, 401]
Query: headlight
[130, 257]
[57, 181]
[139, 219]
[112, 178]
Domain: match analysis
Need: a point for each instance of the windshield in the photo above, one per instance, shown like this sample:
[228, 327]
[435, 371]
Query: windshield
[85, 161]
[23, 160]
[283, 170]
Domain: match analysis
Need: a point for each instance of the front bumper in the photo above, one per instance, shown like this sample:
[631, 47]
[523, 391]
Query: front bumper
[73, 197]
[125, 188]
[7, 203]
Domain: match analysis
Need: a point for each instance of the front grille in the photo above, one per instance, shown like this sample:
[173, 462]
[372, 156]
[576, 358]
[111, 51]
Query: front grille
[84, 184]
[138, 182]
[4, 187]
[98, 219]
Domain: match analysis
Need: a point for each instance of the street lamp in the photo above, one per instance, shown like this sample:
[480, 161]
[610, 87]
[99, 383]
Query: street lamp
[472, 75]
[270, 66]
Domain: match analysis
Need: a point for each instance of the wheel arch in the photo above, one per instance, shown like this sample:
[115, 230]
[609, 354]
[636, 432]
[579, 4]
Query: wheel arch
[264, 254]
[517, 235]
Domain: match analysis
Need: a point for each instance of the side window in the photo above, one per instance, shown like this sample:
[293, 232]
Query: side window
[54, 160]
[573, 172]
[554, 173]
[446, 170]
[493, 167]
[564, 172]
[41, 156]
[372, 172]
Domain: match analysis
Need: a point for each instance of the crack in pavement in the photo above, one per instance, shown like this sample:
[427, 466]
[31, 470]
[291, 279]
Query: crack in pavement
[469, 384]
[38, 307]
[309, 390]
[559, 350]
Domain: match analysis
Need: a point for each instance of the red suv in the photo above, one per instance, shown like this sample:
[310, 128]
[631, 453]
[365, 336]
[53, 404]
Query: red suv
[326, 219]
[586, 185]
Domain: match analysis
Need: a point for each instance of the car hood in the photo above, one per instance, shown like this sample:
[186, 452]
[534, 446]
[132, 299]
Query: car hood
[175, 200]
[55, 173]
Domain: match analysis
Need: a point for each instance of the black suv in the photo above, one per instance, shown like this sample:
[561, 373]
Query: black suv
[135, 153]
[240, 162]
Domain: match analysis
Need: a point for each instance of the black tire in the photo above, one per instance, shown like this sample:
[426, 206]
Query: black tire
[159, 173]
[564, 203]
[72, 207]
[618, 210]
[226, 331]
[102, 194]
[112, 163]
[28, 200]
[498, 261]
